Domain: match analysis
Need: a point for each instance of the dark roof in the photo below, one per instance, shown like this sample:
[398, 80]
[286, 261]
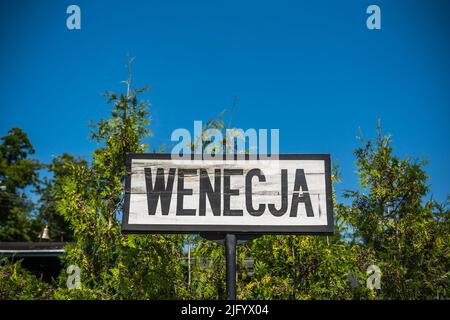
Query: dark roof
[31, 249]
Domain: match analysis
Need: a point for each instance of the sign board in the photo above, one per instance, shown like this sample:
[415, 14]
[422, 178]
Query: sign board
[289, 195]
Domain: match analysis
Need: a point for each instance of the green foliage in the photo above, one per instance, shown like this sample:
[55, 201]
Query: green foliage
[50, 192]
[17, 173]
[18, 284]
[303, 267]
[208, 270]
[409, 237]
[151, 268]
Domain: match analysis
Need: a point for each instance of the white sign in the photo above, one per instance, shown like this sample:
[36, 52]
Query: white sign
[289, 195]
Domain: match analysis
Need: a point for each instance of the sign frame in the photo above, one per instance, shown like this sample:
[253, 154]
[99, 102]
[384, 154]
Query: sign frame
[235, 229]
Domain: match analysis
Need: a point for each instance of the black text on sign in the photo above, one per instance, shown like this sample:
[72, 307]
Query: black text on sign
[288, 195]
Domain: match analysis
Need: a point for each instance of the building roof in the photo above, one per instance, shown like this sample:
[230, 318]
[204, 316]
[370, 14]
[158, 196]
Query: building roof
[31, 249]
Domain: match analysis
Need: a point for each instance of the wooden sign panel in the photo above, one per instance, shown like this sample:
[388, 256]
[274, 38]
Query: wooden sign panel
[290, 195]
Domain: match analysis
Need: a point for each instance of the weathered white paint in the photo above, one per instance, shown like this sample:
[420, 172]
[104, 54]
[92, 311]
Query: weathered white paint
[263, 192]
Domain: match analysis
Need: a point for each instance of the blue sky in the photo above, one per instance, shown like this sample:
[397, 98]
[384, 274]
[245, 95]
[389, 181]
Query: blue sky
[310, 68]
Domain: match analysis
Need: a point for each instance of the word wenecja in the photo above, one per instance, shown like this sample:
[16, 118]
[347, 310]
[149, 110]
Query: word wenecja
[289, 195]
[158, 189]
[210, 144]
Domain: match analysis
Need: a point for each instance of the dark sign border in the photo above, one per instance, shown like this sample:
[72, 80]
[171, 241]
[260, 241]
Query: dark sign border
[239, 229]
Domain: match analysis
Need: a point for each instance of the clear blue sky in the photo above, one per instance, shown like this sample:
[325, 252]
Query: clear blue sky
[310, 68]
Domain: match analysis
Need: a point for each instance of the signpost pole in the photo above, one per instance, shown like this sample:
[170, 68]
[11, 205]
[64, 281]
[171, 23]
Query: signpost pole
[230, 257]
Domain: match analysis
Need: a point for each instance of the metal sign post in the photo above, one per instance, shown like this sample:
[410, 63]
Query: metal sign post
[230, 257]
[230, 241]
